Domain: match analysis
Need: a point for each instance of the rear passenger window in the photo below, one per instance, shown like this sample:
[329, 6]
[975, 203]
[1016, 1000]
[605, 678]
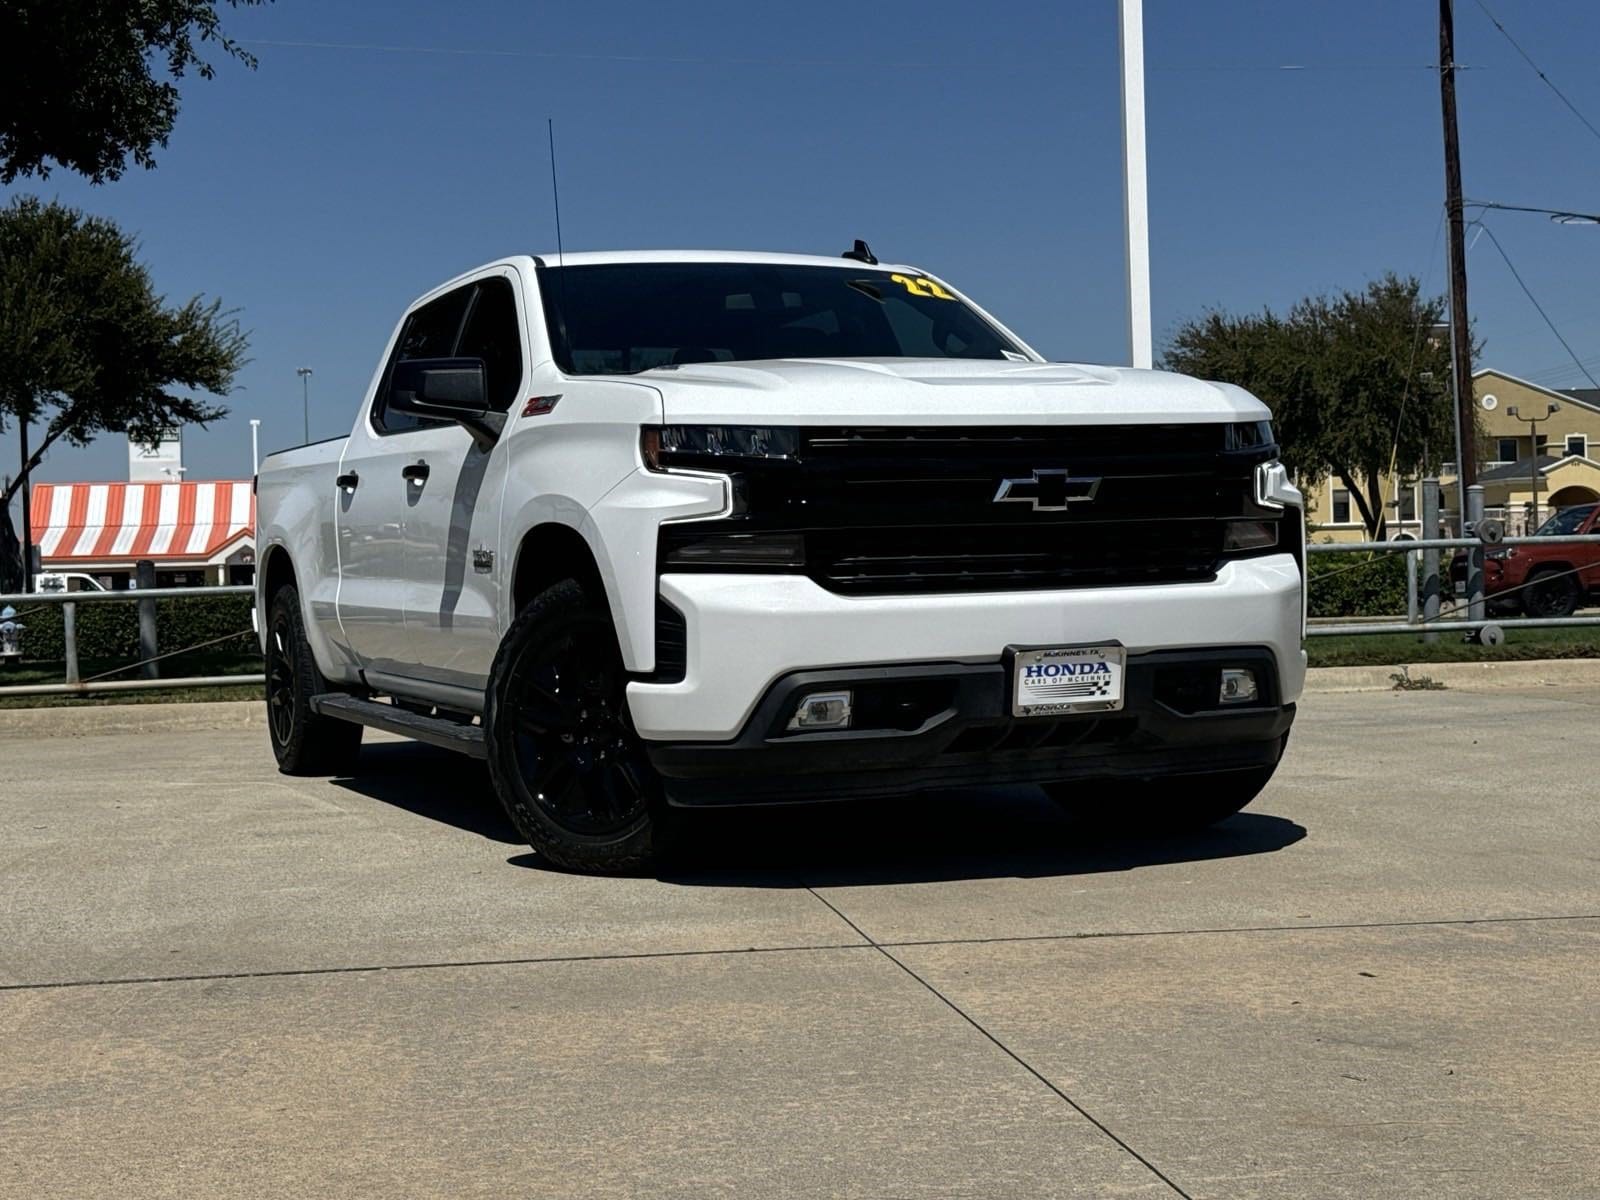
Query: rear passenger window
[492, 334]
[430, 332]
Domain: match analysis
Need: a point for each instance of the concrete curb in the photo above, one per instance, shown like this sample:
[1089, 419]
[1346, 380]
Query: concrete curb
[103, 719]
[1462, 676]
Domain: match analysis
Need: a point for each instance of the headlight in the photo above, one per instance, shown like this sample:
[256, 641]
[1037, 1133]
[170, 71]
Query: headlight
[776, 551]
[1248, 435]
[712, 446]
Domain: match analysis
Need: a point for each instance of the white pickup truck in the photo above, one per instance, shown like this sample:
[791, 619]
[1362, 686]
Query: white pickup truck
[682, 528]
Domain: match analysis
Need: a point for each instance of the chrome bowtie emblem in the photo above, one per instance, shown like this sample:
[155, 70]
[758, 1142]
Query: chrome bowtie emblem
[1048, 489]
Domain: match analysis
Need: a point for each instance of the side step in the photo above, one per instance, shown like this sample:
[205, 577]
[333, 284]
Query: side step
[435, 731]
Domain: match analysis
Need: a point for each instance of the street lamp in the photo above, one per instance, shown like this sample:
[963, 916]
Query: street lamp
[1533, 458]
[305, 397]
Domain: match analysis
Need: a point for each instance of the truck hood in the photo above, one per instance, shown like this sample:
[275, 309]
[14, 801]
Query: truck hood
[940, 391]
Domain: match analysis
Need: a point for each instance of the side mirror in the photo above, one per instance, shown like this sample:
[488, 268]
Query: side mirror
[447, 389]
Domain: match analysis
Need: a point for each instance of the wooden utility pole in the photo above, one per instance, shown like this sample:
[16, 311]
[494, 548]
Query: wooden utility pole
[1460, 329]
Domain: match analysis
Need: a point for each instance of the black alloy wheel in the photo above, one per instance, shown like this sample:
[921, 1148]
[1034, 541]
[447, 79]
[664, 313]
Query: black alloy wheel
[573, 746]
[566, 761]
[302, 742]
[1551, 593]
[281, 704]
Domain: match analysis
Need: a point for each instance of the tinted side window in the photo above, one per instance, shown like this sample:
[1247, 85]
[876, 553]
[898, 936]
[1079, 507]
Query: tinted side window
[430, 332]
[492, 335]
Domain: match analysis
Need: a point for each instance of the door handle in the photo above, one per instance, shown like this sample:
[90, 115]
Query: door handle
[415, 472]
[347, 482]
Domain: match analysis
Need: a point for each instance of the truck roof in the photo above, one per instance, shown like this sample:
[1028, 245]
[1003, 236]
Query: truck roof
[590, 258]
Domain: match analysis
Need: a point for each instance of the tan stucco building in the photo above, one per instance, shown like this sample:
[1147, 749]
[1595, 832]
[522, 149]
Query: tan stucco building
[1563, 469]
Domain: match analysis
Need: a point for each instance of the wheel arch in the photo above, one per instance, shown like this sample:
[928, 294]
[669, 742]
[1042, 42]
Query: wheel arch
[277, 570]
[548, 553]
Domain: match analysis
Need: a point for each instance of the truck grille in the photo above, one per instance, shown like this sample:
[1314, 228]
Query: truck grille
[999, 558]
[913, 510]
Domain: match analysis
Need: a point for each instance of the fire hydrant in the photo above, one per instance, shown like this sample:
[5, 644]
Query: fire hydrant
[10, 634]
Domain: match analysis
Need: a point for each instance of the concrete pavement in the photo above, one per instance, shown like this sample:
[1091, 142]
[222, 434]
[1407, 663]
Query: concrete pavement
[216, 981]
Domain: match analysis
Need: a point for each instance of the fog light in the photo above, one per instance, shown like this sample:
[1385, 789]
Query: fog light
[1238, 686]
[822, 710]
[1240, 536]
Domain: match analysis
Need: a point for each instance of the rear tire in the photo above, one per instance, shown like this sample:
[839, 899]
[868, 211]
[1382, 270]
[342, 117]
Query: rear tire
[303, 742]
[1550, 593]
[563, 754]
[1162, 807]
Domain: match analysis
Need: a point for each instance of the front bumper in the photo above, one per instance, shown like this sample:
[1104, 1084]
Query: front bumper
[948, 724]
[745, 632]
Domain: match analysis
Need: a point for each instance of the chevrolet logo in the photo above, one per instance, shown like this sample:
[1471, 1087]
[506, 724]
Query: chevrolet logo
[1049, 489]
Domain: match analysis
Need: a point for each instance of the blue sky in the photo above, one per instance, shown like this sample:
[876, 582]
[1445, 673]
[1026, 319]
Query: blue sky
[321, 192]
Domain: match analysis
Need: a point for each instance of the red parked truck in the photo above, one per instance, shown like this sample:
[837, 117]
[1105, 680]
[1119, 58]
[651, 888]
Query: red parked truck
[1541, 581]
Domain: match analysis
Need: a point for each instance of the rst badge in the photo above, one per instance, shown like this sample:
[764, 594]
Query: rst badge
[1056, 680]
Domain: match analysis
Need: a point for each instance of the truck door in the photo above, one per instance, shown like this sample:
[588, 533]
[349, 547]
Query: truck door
[452, 553]
[378, 487]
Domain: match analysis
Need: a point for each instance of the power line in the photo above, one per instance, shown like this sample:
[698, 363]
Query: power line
[1553, 374]
[1526, 291]
[1560, 95]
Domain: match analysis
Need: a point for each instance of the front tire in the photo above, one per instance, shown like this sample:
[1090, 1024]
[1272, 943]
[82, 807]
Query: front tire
[302, 742]
[563, 755]
[1165, 806]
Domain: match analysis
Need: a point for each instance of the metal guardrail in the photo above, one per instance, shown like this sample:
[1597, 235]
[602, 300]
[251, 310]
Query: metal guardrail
[1407, 547]
[1425, 617]
[72, 685]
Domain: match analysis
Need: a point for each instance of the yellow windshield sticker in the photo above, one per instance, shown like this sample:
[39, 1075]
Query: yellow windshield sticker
[921, 285]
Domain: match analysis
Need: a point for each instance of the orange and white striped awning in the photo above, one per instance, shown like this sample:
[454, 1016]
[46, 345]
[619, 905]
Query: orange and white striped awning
[82, 523]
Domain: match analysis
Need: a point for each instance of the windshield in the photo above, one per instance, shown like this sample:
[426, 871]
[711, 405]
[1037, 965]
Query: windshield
[1566, 521]
[629, 317]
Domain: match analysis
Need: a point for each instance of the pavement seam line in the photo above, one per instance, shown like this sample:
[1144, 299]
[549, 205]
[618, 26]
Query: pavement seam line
[1220, 929]
[446, 964]
[1004, 1049]
[866, 944]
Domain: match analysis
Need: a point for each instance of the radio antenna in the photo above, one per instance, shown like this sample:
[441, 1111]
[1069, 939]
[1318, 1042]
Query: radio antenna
[555, 192]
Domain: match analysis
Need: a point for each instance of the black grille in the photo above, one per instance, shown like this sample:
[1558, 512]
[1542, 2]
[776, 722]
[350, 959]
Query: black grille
[1000, 558]
[902, 510]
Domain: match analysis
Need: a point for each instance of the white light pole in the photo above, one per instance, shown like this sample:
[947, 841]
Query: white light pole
[305, 397]
[1135, 198]
[255, 446]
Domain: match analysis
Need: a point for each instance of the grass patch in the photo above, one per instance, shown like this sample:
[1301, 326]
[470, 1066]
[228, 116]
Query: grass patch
[1385, 649]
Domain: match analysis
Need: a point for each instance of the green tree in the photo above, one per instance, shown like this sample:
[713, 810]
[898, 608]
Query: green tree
[1357, 384]
[89, 83]
[88, 347]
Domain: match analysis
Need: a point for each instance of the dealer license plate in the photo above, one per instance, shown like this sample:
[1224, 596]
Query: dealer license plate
[1067, 679]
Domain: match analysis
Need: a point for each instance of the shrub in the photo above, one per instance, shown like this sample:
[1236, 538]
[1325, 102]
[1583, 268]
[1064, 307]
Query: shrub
[110, 630]
[1357, 585]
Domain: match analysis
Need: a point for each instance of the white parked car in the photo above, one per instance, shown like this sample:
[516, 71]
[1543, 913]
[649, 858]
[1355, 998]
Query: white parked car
[681, 528]
[66, 581]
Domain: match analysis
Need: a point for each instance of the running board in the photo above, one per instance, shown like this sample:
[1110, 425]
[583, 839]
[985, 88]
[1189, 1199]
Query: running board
[435, 731]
